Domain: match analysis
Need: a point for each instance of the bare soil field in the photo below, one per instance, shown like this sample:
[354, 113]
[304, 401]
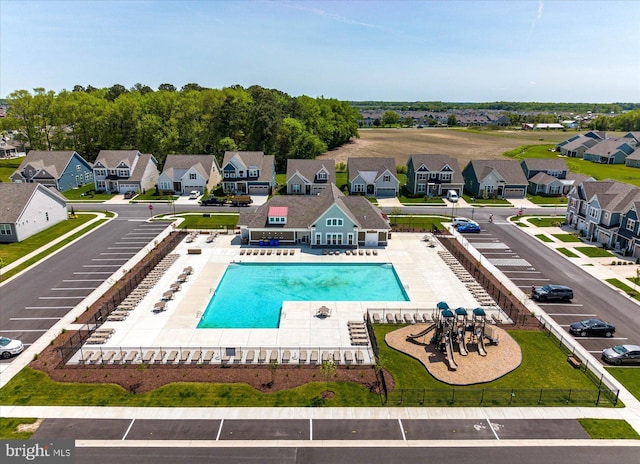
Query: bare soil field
[461, 144]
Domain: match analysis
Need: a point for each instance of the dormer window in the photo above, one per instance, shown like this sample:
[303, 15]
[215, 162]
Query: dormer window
[322, 175]
[386, 178]
[278, 215]
[253, 173]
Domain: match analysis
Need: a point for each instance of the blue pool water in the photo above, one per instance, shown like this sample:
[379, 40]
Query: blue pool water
[250, 295]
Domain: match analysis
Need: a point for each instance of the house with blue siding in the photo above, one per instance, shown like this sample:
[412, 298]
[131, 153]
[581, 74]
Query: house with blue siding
[63, 170]
[433, 175]
[248, 172]
[329, 219]
[627, 237]
[610, 151]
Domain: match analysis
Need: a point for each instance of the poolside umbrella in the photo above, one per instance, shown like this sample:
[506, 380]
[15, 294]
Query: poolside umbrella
[443, 305]
[479, 312]
[447, 313]
[461, 311]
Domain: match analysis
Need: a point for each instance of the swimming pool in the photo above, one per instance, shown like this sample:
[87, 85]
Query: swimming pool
[250, 295]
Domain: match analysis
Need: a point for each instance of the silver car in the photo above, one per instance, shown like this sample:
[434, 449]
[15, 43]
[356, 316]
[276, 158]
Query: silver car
[622, 354]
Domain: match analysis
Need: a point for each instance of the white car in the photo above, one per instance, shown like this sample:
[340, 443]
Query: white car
[10, 347]
[194, 195]
[462, 220]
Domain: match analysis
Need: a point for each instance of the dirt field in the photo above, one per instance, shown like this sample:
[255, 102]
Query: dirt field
[465, 146]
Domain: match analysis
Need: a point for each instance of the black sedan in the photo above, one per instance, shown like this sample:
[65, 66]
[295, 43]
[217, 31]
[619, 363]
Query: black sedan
[592, 328]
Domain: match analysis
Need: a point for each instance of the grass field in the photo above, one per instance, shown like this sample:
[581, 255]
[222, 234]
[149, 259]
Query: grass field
[594, 252]
[568, 253]
[8, 167]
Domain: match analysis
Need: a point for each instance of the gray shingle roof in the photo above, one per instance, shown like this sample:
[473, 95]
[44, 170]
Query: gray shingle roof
[308, 168]
[376, 165]
[252, 158]
[607, 147]
[141, 166]
[545, 164]
[179, 164]
[112, 158]
[435, 162]
[305, 210]
[19, 194]
[53, 162]
[510, 170]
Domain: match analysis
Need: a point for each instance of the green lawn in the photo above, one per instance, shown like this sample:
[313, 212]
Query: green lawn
[629, 377]
[618, 172]
[213, 221]
[542, 221]
[540, 200]
[567, 238]
[594, 252]
[567, 252]
[8, 167]
[609, 429]
[9, 252]
[86, 193]
[631, 291]
[544, 238]
[8, 426]
[418, 222]
[150, 195]
[486, 202]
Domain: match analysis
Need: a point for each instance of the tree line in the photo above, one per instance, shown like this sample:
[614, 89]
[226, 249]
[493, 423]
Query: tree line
[192, 120]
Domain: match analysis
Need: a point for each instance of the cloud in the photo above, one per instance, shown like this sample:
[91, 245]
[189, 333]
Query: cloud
[538, 16]
[326, 14]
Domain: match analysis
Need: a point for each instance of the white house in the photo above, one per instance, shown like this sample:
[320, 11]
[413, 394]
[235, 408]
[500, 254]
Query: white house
[185, 173]
[28, 208]
[121, 171]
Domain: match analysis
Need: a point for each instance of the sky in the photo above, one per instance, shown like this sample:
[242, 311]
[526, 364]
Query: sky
[454, 51]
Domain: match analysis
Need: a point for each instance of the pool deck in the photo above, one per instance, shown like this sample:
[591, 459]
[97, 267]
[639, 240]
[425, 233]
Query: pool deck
[426, 277]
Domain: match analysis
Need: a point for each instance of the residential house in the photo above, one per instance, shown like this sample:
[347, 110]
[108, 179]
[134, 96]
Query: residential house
[373, 177]
[63, 170]
[575, 146]
[184, 174]
[248, 172]
[595, 209]
[633, 160]
[32, 209]
[610, 151]
[543, 126]
[433, 175]
[633, 138]
[627, 238]
[546, 176]
[330, 219]
[309, 177]
[495, 179]
[7, 150]
[121, 171]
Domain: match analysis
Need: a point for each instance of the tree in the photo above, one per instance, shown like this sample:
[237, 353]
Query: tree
[191, 86]
[328, 370]
[143, 89]
[390, 118]
[452, 120]
[115, 91]
[377, 122]
[407, 121]
[167, 87]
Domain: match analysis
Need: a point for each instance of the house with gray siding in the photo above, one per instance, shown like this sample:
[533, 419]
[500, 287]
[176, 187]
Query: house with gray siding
[63, 170]
[309, 177]
[575, 146]
[121, 171]
[29, 208]
[183, 174]
[626, 239]
[330, 219]
[495, 179]
[248, 172]
[433, 175]
[373, 177]
[610, 151]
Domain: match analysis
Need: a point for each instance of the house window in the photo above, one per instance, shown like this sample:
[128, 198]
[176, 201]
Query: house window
[295, 188]
[252, 173]
[334, 239]
[334, 222]
[322, 175]
[5, 229]
[318, 239]
[101, 172]
[489, 188]
[78, 168]
[433, 175]
[277, 220]
[358, 188]
[100, 185]
[421, 176]
[421, 188]
[445, 176]
[631, 225]
[593, 213]
[240, 174]
[386, 178]
[193, 176]
[349, 239]
[123, 173]
[87, 176]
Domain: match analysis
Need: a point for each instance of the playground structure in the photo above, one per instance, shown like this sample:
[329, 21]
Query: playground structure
[455, 328]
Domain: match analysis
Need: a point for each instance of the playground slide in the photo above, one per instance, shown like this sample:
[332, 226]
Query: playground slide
[422, 333]
[452, 363]
[481, 349]
[462, 342]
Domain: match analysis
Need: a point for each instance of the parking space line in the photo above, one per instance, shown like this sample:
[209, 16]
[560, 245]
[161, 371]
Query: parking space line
[122, 248]
[62, 297]
[74, 288]
[310, 429]
[100, 265]
[33, 318]
[600, 338]
[219, 430]
[95, 272]
[110, 259]
[571, 314]
[520, 272]
[528, 278]
[25, 330]
[559, 304]
[128, 253]
[495, 434]
[124, 437]
[404, 437]
[83, 280]
[49, 307]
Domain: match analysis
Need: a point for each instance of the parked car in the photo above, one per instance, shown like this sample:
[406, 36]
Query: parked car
[622, 354]
[452, 196]
[457, 221]
[10, 347]
[129, 195]
[194, 195]
[470, 228]
[552, 293]
[592, 327]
